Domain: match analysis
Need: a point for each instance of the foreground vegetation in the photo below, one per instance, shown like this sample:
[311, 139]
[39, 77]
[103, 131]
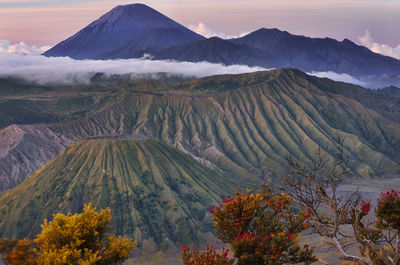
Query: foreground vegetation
[71, 239]
[260, 229]
[263, 228]
[315, 188]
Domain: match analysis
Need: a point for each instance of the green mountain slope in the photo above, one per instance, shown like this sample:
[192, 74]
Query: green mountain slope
[244, 124]
[249, 123]
[158, 195]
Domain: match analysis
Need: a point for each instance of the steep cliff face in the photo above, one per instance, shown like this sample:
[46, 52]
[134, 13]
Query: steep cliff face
[9, 138]
[25, 148]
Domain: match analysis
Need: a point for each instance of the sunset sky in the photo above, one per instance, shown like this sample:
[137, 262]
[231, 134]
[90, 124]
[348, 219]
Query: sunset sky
[47, 22]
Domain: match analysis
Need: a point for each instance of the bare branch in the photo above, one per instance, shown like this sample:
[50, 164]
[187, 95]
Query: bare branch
[315, 189]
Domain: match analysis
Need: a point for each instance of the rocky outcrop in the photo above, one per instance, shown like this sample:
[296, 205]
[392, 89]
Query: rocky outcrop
[24, 149]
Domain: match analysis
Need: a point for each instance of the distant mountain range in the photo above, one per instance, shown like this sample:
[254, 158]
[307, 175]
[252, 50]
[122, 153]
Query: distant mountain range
[272, 48]
[132, 31]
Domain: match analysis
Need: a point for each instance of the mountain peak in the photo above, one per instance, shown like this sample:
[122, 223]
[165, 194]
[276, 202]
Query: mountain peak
[268, 30]
[135, 10]
[131, 27]
[131, 10]
[348, 42]
[135, 5]
[132, 7]
[272, 31]
[134, 16]
[215, 38]
[263, 35]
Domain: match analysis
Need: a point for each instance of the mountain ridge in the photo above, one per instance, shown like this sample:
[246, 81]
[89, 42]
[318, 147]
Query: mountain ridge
[297, 51]
[242, 124]
[214, 50]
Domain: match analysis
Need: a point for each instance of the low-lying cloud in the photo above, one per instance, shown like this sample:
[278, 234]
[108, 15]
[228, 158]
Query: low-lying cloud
[208, 32]
[339, 77]
[64, 70]
[384, 49]
[25, 62]
[21, 48]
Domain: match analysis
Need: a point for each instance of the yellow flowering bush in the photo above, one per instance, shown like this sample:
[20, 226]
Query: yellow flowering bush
[81, 239]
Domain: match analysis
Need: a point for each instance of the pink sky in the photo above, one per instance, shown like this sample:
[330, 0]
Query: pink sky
[47, 22]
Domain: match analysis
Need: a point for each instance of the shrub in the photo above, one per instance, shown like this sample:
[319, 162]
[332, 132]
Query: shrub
[316, 188]
[18, 252]
[79, 239]
[261, 229]
[208, 257]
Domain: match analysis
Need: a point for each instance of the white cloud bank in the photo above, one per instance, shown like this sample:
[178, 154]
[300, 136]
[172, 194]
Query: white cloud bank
[21, 48]
[24, 61]
[338, 77]
[64, 70]
[384, 49]
[208, 32]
